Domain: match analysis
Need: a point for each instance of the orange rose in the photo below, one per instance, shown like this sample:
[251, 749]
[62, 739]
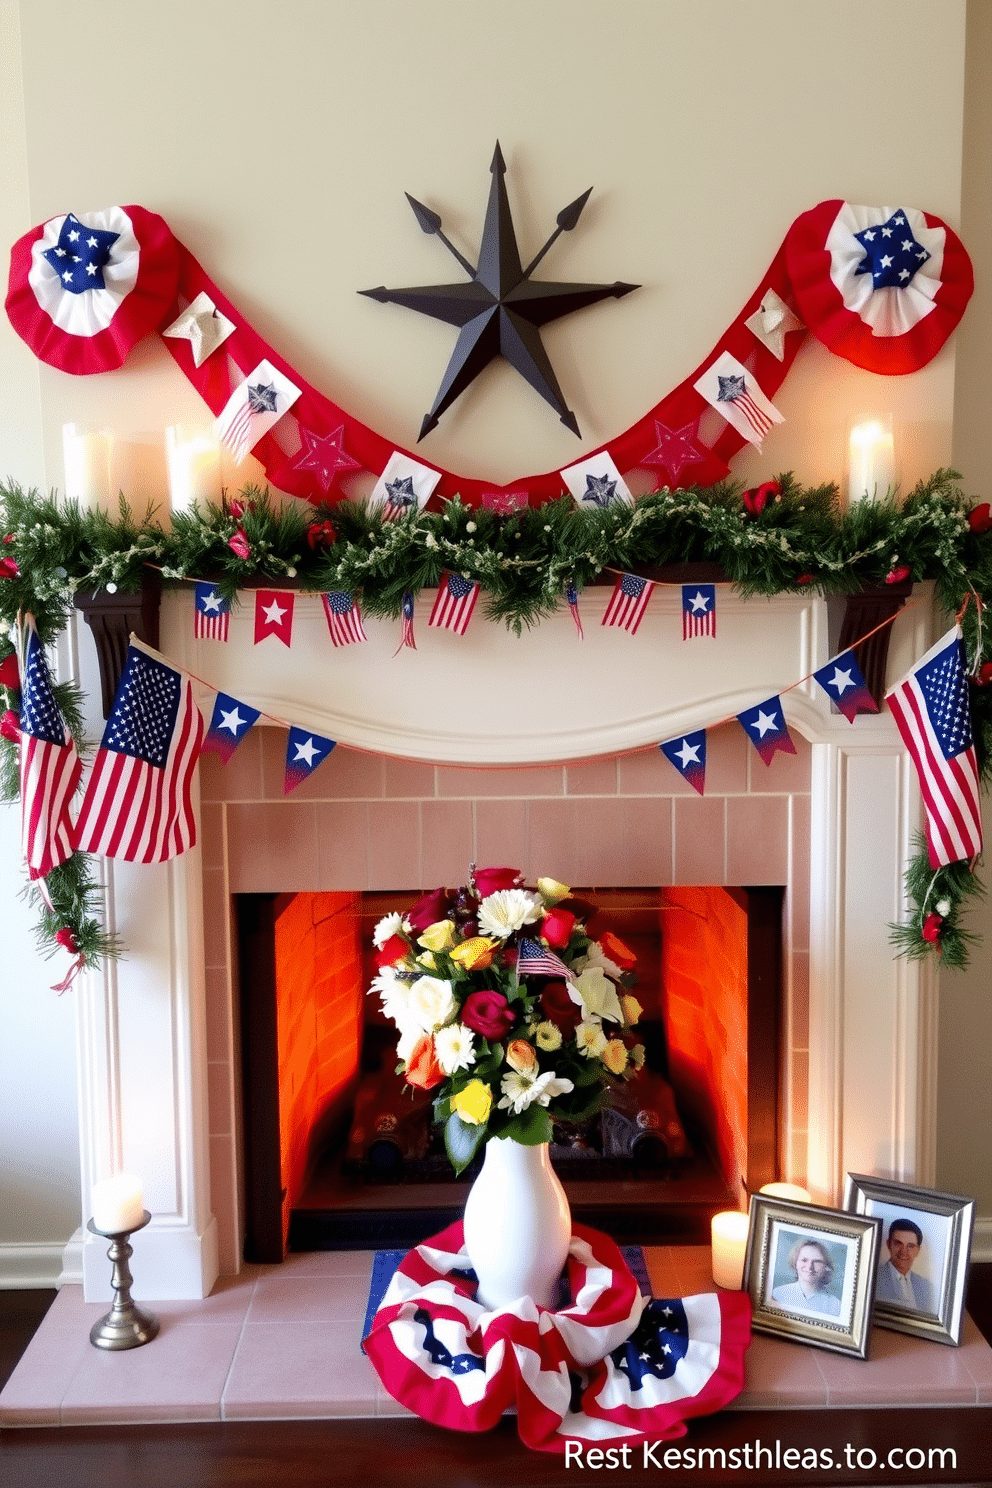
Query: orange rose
[520, 1056]
[621, 955]
[422, 1068]
[474, 954]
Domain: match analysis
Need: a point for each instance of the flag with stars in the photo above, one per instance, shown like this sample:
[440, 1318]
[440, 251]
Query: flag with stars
[80, 255]
[456, 597]
[404, 486]
[572, 596]
[534, 959]
[688, 755]
[933, 714]
[304, 752]
[211, 614]
[734, 392]
[344, 618]
[48, 765]
[698, 610]
[407, 637]
[138, 804]
[596, 482]
[842, 681]
[254, 406]
[628, 602]
[274, 615]
[765, 726]
[230, 721]
[892, 253]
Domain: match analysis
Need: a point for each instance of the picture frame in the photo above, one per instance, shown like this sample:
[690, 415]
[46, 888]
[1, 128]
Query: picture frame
[810, 1273]
[923, 1268]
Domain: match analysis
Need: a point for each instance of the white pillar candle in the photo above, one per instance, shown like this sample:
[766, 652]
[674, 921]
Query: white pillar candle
[729, 1236]
[86, 463]
[193, 461]
[788, 1191]
[871, 461]
[117, 1204]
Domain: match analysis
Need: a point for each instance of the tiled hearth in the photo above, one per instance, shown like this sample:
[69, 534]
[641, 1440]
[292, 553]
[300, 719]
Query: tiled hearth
[283, 1342]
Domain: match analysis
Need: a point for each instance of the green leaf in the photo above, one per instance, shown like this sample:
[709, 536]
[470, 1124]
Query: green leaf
[531, 1127]
[461, 1141]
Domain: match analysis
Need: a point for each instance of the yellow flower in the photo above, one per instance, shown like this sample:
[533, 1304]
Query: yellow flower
[547, 1036]
[475, 954]
[427, 960]
[438, 937]
[615, 1057]
[637, 1056]
[521, 1057]
[632, 1010]
[551, 891]
[474, 1103]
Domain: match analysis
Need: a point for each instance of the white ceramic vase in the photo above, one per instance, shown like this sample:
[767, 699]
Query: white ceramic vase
[517, 1225]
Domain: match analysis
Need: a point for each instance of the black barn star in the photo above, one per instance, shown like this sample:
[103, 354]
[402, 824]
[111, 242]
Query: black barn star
[500, 310]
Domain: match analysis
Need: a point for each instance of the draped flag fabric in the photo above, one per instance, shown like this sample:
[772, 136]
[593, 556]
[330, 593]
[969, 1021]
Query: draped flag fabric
[534, 959]
[344, 618]
[456, 597]
[698, 610]
[229, 723]
[628, 602]
[765, 726]
[610, 1367]
[688, 755]
[211, 615]
[274, 615]
[304, 752]
[138, 804]
[845, 686]
[932, 711]
[49, 766]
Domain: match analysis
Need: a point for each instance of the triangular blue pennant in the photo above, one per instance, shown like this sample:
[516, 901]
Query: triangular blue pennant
[688, 754]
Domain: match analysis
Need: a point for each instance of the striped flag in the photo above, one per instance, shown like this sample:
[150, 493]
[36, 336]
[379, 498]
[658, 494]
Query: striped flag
[698, 610]
[572, 595]
[455, 602]
[252, 409]
[138, 804]
[212, 614]
[534, 959]
[407, 637]
[344, 618]
[49, 767]
[931, 708]
[628, 602]
[733, 391]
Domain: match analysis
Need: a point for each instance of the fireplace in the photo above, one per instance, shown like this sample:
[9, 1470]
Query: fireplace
[439, 766]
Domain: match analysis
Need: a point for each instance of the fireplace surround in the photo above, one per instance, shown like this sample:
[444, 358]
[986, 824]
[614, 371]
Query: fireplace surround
[540, 751]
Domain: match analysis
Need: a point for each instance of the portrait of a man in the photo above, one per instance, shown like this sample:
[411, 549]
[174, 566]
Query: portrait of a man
[811, 1265]
[898, 1283]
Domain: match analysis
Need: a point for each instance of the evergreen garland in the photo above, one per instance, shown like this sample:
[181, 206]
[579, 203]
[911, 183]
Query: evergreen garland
[799, 542]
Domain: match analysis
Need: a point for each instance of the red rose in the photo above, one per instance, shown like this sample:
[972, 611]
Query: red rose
[10, 726]
[8, 569]
[756, 499]
[488, 1013]
[422, 1068]
[321, 534]
[394, 950]
[556, 927]
[980, 518]
[66, 939]
[238, 508]
[239, 544]
[801, 580]
[896, 575]
[9, 676]
[490, 880]
[984, 676]
[430, 908]
[931, 928]
[559, 1007]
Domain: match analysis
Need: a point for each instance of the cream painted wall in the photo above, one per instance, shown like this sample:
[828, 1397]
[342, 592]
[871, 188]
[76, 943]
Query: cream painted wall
[278, 146]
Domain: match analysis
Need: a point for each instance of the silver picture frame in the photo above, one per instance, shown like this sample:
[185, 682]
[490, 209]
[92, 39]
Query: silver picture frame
[928, 1233]
[810, 1273]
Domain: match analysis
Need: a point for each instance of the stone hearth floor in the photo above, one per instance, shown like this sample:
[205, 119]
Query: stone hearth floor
[283, 1342]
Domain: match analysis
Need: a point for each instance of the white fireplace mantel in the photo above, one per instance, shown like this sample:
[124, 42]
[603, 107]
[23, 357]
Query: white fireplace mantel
[492, 698]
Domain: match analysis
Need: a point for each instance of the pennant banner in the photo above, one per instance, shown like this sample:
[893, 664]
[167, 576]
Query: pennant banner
[274, 615]
[688, 755]
[698, 610]
[304, 752]
[229, 723]
[211, 614]
[842, 681]
[765, 726]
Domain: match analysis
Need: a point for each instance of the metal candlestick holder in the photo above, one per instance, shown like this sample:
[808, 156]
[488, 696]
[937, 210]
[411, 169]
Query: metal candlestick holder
[125, 1326]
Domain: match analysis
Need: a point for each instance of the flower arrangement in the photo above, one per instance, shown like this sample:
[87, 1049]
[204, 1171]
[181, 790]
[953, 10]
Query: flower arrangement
[506, 1007]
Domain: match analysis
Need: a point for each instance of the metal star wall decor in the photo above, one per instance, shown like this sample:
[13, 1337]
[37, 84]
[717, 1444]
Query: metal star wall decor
[500, 310]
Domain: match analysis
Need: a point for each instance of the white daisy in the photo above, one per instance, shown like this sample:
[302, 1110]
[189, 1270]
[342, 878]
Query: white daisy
[591, 1039]
[521, 1091]
[507, 910]
[388, 926]
[454, 1047]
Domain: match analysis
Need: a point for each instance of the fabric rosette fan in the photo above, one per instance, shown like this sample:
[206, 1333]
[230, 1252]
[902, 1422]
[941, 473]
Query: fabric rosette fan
[515, 1017]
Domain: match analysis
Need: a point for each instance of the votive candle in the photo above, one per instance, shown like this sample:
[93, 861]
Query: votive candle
[86, 464]
[117, 1204]
[729, 1232]
[871, 461]
[193, 460]
[787, 1191]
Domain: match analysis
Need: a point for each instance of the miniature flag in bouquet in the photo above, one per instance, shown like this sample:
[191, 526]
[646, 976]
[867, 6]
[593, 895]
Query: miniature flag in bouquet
[765, 726]
[212, 614]
[404, 486]
[304, 752]
[842, 681]
[688, 755]
[698, 610]
[229, 723]
[628, 602]
[138, 804]
[933, 714]
[252, 409]
[534, 959]
[344, 618]
[49, 766]
[733, 391]
[274, 615]
[456, 597]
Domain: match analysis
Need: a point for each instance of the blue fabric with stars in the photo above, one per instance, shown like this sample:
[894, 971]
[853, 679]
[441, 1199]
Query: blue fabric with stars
[231, 719]
[143, 717]
[209, 601]
[40, 716]
[658, 1344]
[945, 693]
[339, 600]
[892, 254]
[600, 490]
[687, 753]
[459, 587]
[80, 255]
[632, 586]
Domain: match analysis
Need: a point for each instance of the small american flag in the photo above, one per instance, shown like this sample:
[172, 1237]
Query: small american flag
[698, 610]
[455, 602]
[212, 614]
[572, 595]
[931, 708]
[628, 602]
[138, 804]
[534, 959]
[734, 390]
[407, 637]
[49, 767]
[344, 618]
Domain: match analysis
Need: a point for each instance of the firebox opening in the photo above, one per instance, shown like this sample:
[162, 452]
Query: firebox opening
[338, 1154]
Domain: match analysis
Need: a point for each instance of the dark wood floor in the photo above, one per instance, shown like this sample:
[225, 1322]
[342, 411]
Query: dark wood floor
[411, 1454]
